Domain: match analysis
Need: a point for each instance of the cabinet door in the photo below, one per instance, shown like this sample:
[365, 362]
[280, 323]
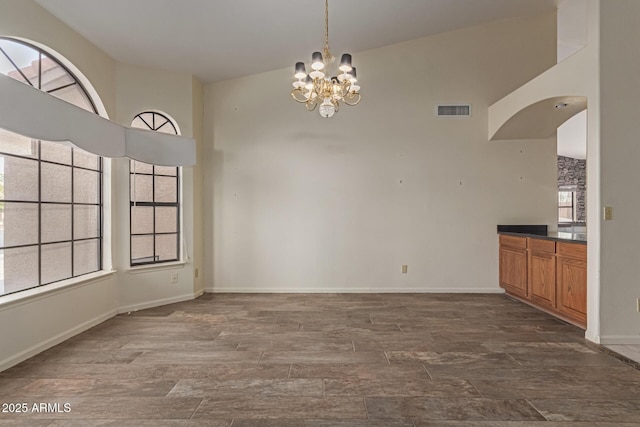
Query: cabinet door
[542, 278]
[513, 270]
[572, 288]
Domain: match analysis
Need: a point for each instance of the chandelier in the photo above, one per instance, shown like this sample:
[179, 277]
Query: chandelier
[318, 88]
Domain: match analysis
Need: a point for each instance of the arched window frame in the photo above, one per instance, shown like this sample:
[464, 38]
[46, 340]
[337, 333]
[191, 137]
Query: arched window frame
[160, 122]
[76, 169]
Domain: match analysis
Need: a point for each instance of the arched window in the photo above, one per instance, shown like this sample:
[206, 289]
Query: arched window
[155, 201]
[50, 192]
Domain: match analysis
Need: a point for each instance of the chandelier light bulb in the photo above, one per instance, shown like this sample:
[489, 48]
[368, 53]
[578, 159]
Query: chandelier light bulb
[327, 109]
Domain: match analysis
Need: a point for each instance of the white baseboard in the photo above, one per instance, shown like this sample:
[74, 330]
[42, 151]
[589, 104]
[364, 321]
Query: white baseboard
[159, 302]
[619, 339]
[274, 290]
[591, 336]
[40, 347]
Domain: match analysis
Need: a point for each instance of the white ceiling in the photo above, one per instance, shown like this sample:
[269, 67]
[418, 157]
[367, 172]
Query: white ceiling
[221, 39]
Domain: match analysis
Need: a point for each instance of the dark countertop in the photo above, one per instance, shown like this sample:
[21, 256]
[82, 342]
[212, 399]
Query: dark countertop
[556, 236]
[540, 232]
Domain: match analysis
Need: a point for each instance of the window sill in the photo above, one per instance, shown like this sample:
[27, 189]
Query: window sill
[156, 267]
[34, 294]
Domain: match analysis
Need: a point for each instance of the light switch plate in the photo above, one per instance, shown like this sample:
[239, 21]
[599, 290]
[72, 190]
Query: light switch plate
[607, 213]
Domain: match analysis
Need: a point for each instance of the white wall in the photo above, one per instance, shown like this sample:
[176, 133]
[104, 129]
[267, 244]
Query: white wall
[594, 219]
[572, 137]
[608, 74]
[306, 204]
[41, 321]
[572, 27]
[197, 253]
[35, 320]
[619, 156]
[572, 36]
[26, 19]
[141, 89]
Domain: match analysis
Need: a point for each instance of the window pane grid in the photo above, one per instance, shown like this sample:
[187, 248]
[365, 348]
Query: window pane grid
[566, 206]
[33, 245]
[70, 243]
[167, 204]
[15, 66]
[151, 174]
[35, 159]
[155, 188]
[157, 233]
[61, 87]
[53, 257]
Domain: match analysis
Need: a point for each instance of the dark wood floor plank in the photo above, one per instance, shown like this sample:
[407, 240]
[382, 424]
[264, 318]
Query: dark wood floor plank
[328, 360]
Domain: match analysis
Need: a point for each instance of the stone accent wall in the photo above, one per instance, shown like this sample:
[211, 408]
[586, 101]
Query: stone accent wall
[573, 172]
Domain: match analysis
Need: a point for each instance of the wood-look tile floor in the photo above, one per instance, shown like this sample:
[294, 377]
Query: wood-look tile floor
[339, 360]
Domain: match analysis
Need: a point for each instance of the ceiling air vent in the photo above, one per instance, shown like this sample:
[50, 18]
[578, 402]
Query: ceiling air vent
[463, 110]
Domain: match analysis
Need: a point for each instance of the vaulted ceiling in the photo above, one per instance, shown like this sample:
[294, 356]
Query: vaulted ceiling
[221, 39]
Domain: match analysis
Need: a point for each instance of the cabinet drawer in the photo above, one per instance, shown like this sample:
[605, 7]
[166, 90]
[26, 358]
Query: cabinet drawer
[513, 242]
[572, 250]
[539, 245]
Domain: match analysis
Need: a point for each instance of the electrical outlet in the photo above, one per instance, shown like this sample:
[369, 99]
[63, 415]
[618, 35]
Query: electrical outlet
[638, 305]
[196, 273]
[404, 269]
[174, 277]
[608, 213]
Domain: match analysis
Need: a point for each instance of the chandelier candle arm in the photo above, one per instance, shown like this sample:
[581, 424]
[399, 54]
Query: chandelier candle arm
[318, 88]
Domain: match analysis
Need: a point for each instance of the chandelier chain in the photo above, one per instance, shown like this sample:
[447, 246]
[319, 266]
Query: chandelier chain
[326, 26]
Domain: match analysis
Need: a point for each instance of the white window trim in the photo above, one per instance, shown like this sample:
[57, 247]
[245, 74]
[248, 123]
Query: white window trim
[183, 256]
[172, 265]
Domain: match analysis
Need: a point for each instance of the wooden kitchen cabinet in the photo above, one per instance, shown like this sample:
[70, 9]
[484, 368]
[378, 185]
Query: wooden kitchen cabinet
[548, 274]
[542, 272]
[571, 281]
[513, 265]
